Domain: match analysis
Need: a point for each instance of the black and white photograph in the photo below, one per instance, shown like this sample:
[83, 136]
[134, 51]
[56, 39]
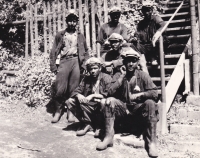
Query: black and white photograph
[100, 78]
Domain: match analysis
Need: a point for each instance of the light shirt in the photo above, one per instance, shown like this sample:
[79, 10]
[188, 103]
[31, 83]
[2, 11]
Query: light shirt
[70, 44]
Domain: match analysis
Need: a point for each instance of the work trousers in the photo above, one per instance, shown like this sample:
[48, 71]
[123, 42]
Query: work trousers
[88, 113]
[132, 115]
[67, 79]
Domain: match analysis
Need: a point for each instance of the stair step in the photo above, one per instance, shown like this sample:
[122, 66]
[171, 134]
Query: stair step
[170, 2]
[178, 21]
[173, 8]
[159, 78]
[178, 28]
[165, 66]
[179, 36]
[178, 14]
[185, 129]
[172, 56]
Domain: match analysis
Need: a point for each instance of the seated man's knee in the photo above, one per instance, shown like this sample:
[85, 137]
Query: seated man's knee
[150, 110]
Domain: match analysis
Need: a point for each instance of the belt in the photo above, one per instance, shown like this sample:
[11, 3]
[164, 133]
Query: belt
[70, 56]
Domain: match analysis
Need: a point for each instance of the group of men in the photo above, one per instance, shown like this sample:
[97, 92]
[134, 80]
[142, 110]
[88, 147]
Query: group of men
[113, 88]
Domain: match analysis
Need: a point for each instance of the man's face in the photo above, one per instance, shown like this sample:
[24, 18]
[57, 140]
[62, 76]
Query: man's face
[94, 70]
[115, 16]
[147, 12]
[71, 23]
[131, 63]
[115, 44]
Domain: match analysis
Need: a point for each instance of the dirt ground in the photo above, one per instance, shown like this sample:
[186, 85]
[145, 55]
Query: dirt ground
[27, 133]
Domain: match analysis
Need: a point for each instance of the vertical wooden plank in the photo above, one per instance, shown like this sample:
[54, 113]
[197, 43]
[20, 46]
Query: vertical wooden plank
[45, 27]
[64, 14]
[187, 75]
[26, 35]
[31, 29]
[112, 3]
[80, 16]
[119, 3]
[74, 3]
[49, 25]
[105, 11]
[87, 27]
[59, 16]
[36, 27]
[93, 26]
[54, 19]
[69, 4]
[99, 12]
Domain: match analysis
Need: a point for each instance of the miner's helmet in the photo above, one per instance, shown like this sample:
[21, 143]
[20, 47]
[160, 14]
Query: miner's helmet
[129, 52]
[115, 37]
[114, 9]
[71, 14]
[93, 61]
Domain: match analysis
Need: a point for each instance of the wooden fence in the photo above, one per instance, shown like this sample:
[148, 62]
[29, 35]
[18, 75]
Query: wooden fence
[51, 17]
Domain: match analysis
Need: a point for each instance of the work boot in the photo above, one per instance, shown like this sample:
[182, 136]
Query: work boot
[109, 134]
[82, 132]
[70, 117]
[150, 139]
[99, 124]
[57, 114]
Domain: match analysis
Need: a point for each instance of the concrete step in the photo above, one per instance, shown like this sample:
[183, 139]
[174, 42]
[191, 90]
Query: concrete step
[181, 129]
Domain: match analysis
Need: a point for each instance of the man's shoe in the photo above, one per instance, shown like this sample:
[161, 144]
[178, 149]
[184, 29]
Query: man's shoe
[82, 132]
[56, 117]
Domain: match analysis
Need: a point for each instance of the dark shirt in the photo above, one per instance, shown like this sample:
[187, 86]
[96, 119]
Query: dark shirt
[57, 46]
[115, 57]
[120, 90]
[85, 87]
[147, 28]
[106, 30]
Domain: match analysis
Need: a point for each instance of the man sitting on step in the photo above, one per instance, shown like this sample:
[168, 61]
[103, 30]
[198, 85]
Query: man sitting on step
[133, 94]
[85, 100]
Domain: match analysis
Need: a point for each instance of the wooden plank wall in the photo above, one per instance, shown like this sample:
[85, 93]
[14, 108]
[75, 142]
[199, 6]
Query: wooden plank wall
[92, 14]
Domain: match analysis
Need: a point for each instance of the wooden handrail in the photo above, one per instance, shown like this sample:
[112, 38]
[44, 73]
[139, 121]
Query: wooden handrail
[168, 22]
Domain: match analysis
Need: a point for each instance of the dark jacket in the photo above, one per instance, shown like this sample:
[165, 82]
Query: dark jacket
[58, 43]
[85, 87]
[120, 90]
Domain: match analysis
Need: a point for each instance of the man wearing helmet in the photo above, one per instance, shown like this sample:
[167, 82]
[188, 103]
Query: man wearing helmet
[147, 30]
[71, 46]
[132, 94]
[113, 26]
[85, 100]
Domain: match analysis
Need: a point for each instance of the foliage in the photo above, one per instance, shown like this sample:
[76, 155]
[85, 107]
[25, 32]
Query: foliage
[33, 81]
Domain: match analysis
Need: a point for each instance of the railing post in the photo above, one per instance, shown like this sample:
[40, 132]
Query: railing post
[162, 74]
[195, 54]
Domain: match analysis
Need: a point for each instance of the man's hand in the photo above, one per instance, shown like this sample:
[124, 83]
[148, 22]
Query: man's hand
[156, 37]
[123, 70]
[135, 96]
[82, 99]
[107, 63]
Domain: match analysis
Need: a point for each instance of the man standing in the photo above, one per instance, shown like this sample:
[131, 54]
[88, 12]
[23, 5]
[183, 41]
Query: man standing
[71, 46]
[148, 29]
[133, 93]
[113, 26]
[85, 100]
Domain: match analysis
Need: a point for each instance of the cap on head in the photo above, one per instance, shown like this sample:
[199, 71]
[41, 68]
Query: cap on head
[115, 37]
[147, 3]
[129, 52]
[93, 61]
[114, 9]
[71, 13]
